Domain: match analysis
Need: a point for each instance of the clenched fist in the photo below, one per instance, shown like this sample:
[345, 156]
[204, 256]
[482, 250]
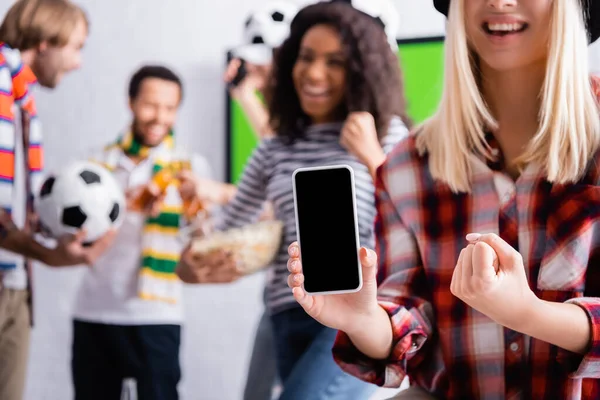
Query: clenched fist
[359, 137]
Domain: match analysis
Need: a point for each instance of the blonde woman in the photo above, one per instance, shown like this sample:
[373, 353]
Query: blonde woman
[488, 236]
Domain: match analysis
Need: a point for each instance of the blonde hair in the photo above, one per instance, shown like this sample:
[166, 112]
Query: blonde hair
[569, 119]
[29, 23]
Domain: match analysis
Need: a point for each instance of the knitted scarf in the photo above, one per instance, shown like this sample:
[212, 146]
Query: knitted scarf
[160, 244]
[15, 81]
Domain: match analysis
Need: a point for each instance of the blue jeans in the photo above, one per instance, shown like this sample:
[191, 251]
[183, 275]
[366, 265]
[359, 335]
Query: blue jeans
[262, 373]
[305, 362]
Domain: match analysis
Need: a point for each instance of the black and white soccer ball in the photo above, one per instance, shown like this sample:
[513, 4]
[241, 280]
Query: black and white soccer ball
[84, 195]
[384, 12]
[265, 30]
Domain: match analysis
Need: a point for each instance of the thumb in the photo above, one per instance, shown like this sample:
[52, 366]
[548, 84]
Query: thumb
[154, 190]
[366, 116]
[184, 175]
[485, 261]
[507, 256]
[100, 246]
[79, 237]
[368, 260]
[106, 239]
[71, 238]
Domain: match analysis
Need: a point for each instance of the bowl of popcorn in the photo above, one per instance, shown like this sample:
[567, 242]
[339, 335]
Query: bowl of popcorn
[255, 245]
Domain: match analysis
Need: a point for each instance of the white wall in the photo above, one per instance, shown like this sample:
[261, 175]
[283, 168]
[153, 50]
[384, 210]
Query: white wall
[419, 19]
[88, 110]
[595, 58]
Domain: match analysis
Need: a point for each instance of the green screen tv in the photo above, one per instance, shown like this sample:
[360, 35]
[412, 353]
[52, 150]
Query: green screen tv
[422, 66]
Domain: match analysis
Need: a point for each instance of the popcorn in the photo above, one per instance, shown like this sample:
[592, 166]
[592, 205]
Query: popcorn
[254, 245]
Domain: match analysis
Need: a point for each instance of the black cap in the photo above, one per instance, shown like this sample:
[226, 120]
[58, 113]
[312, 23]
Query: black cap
[591, 9]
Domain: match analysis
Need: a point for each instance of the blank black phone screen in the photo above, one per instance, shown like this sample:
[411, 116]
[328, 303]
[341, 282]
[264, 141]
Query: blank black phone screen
[325, 206]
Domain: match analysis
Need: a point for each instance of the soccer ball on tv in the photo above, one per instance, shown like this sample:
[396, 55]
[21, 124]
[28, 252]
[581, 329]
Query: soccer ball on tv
[265, 30]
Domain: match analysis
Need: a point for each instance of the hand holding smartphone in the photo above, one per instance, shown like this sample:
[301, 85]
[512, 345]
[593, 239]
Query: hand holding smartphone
[332, 278]
[240, 75]
[327, 229]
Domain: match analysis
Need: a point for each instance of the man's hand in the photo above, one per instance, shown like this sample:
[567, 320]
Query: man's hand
[207, 191]
[71, 250]
[151, 194]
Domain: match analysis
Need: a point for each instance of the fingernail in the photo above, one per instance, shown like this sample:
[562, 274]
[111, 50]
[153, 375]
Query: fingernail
[298, 294]
[473, 237]
[370, 254]
[295, 264]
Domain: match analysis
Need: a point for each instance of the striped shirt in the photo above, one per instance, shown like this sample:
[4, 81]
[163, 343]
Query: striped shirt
[16, 81]
[268, 177]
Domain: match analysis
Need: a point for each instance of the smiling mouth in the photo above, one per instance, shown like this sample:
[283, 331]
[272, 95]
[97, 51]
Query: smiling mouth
[314, 92]
[504, 29]
[156, 130]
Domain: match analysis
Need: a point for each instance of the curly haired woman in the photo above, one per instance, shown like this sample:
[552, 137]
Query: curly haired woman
[336, 97]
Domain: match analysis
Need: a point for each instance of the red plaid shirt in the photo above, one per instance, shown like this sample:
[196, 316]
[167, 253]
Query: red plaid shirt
[442, 344]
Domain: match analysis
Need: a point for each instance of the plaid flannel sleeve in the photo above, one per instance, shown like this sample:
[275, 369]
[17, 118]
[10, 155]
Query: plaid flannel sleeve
[402, 281]
[589, 367]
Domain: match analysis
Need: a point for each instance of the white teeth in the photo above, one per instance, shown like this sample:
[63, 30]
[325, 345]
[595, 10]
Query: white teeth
[313, 91]
[505, 27]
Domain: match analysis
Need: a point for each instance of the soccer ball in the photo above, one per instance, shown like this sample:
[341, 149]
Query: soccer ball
[384, 12]
[84, 195]
[265, 30]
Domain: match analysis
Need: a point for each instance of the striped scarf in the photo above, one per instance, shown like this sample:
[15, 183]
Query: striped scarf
[160, 244]
[16, 79]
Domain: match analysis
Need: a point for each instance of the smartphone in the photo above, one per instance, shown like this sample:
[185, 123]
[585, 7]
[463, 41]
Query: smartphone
[240, 75]
[327, 229]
